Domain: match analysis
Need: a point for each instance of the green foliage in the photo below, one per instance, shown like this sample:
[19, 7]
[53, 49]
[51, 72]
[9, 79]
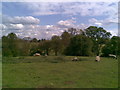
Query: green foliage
[94, 40]
[65, 40]
[72, 31]
[46, 46]
[99, 36]
[13, 46]
[112, 47]
[56, 44]
[79, 46]
[34, 40]
[10, 42]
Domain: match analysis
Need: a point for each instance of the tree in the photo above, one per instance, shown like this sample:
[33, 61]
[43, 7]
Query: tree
[34, 40]
[99, 36]
[81, 32]
[56, 44]
[73, 31]
[12, 42]
[46, 46]
[112, 47]
[13, 46]
[80, 45]
[5, 47]
[65, 39]
[24, 47]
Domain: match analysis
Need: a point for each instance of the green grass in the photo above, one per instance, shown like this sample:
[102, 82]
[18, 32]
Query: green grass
[59, 72]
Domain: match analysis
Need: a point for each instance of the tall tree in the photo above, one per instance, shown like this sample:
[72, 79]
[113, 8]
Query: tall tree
[56, 44]
[10, 42]
[13, 41]
[5, 47]
[112, 47]
[99, 36]
[46, 46]
[34, 40]
[24, 47]
[65, 39]
[73, 31]
[80, 45]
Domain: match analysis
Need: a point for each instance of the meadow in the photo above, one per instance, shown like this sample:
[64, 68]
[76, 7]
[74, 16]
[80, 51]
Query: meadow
[59, 72]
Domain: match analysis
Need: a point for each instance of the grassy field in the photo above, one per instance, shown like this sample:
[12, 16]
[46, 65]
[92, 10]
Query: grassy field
[59, 72]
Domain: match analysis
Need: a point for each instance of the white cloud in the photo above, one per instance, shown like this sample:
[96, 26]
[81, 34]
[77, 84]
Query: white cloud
[43, 8]
[74, 8]
[98, 24]
[38, 31]
[114, 32]
[109, 24]
[14, 26]
[67, 23]
[111, 21]
[54, 34]
[105, 22]
[44, 13]
[82, 26]
[29, 26]
[11, 26]
[20, 20]
[32, 30]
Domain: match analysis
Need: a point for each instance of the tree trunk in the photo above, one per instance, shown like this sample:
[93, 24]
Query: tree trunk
[47, 52]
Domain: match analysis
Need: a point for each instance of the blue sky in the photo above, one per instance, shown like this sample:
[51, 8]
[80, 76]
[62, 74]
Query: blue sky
[45, 19]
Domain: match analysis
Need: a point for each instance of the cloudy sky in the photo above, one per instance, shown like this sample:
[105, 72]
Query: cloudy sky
[45, 19]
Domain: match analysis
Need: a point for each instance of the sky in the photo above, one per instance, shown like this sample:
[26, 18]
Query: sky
[45, 19]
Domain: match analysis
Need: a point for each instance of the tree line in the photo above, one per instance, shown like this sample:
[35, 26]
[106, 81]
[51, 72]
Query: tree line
[72, 42]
